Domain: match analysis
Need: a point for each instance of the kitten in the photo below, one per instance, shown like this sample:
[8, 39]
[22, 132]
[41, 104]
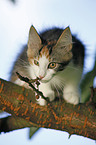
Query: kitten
[56, 58]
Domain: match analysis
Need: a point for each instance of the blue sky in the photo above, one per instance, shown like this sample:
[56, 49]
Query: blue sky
[15, 21]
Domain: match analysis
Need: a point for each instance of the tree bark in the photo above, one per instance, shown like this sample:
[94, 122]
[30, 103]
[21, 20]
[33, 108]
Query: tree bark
[20, 103]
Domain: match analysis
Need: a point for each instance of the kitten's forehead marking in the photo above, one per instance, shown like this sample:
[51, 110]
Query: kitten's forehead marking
[52, 42]
[45, 50]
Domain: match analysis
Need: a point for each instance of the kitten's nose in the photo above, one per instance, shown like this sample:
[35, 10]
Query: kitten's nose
[41, 77]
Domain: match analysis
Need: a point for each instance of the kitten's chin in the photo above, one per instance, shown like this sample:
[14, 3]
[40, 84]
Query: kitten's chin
[45, 81]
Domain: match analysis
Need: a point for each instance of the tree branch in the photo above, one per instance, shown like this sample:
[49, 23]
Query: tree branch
[11, 123]
[20, 102]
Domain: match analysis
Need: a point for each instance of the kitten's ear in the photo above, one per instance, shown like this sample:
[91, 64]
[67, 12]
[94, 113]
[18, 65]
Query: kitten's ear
[34, 43]
[63, 46]
[65, 39]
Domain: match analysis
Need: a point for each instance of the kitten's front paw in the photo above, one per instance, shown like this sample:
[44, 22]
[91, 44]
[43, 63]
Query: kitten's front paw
[71, 98]
[45, 88]
[71, 95]
[43, 102]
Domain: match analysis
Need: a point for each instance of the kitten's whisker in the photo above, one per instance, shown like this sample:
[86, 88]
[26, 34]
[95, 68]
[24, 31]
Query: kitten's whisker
[23, 61]
[61, 81]
[56, 89]
[58, 83]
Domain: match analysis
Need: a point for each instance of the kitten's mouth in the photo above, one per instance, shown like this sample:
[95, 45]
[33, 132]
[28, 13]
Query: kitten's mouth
[44, 80]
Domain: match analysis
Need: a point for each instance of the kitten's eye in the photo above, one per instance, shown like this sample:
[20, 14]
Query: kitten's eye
[52, 65]
[36, 62]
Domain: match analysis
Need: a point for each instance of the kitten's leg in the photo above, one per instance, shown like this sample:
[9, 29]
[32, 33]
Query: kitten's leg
[71, 94]
[45, 88]
[21, 83]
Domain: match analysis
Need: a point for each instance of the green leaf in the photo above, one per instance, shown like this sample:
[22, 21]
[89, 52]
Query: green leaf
[32, 131]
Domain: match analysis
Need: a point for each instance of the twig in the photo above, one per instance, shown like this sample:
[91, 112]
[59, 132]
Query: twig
[91, 99]
[25, 79]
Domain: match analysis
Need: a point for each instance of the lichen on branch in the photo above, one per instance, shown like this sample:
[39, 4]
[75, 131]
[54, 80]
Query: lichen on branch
[21, 103]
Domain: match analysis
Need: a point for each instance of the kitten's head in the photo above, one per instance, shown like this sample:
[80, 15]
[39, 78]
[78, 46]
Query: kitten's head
[48, 57]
